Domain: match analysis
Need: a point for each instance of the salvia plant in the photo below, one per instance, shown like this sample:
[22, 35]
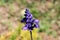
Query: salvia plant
[30, 22]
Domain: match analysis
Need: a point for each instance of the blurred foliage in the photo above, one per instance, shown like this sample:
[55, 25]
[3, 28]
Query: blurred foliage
[35, 13]
[2, 2]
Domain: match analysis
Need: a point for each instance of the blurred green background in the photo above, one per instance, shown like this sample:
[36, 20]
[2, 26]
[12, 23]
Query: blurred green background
[47, 11]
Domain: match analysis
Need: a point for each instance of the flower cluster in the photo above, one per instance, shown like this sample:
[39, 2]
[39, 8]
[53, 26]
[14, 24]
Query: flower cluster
[30, 23]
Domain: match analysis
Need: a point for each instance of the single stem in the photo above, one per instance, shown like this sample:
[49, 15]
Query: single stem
[31, 35]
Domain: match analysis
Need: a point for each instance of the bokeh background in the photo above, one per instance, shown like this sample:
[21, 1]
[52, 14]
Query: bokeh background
[47, 11]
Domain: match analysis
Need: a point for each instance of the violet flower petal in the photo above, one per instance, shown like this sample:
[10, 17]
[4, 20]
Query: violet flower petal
[36, 21]
[27, 11]
[36, 25]
[24, 20]
[25, 28]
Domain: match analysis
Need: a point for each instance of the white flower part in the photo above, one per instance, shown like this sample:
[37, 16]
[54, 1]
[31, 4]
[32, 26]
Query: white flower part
[22, 12]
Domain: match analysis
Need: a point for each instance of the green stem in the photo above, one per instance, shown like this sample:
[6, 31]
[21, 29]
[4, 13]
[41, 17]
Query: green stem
[31, 35]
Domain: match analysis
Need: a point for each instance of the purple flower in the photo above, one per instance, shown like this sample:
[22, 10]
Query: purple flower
[27, 11]
[28, 26]
[30, 22]
[24, 20]
[36, 21]
[36, 25]
[28, 15]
